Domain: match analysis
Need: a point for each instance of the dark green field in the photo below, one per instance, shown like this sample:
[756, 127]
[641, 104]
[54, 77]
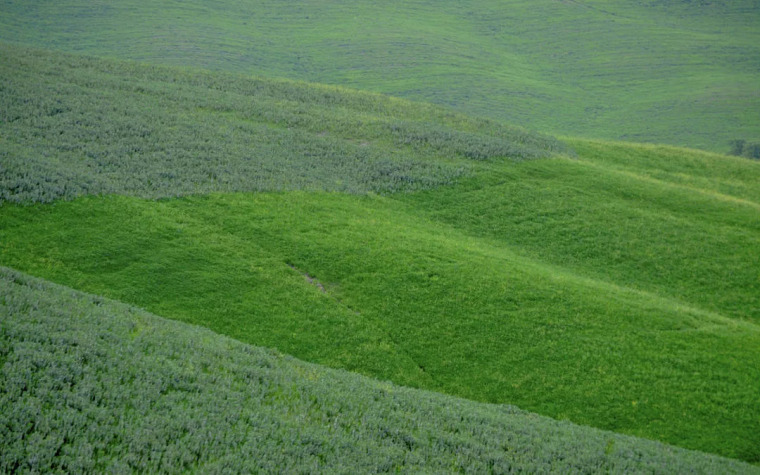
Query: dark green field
[607, 284]
[92, 385]
[676, 72]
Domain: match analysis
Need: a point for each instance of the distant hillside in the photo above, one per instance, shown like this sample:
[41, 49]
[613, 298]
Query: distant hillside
[677, 72]
[89, 384]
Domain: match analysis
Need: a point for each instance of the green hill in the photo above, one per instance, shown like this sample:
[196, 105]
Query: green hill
[614, 286]
[91, 385]
[677, 72]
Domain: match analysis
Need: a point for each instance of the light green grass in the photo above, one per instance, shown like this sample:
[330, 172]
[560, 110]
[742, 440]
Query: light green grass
[683, 73]
[89, 384]
[663, 220]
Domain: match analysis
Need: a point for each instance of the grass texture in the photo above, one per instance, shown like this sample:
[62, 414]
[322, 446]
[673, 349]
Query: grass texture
[677, 72]
[89, 384]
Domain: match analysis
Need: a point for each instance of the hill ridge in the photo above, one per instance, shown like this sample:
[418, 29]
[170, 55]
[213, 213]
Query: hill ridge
[75, 125]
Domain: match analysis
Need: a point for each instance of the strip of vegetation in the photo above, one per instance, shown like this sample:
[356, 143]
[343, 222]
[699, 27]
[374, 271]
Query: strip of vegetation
[91, 385]
[72, 126]
[677, 72]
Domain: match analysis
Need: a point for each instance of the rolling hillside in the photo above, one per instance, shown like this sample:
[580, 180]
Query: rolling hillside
[89, 384]
[677, 72]
[608, 284]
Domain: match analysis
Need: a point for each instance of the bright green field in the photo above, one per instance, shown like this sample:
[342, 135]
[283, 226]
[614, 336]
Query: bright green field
[683, 73]
[563, 298]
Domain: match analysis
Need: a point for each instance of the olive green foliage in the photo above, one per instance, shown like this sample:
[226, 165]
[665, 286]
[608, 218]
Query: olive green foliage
[71, 126]
[677, 72]
[742, 148]
[91, 385]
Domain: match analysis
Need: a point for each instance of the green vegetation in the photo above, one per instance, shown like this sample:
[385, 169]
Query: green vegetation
[374, 285]
[607, 284]
[93, 385]
[742, 148]
[678, 72]
[671, 222]
[616, 288]
[71, 126]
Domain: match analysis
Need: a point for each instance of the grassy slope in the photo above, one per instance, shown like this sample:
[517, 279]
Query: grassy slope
[93, 385]
[617, 289]
[683, 73]
[673, 222]
[468, 316]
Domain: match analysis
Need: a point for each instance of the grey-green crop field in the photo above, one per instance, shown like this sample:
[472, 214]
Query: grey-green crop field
[682, 72]
[205, 268]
